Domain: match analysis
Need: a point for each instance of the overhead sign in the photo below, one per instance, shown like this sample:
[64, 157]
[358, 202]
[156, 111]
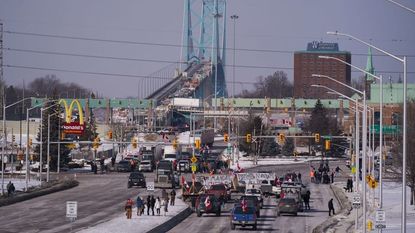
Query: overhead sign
[150, 186]
[71, 209]
[73, 128]
[380, 219]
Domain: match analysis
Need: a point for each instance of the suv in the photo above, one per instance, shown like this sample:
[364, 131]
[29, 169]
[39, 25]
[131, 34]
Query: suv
[220, 191]
[256, 193]
[288, 206]
[123, 166]
[145, 165]
[136, 179]
[183, 165]
[207, 203]
[243, 218]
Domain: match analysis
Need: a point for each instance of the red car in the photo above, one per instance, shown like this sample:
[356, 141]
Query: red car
[220, 191]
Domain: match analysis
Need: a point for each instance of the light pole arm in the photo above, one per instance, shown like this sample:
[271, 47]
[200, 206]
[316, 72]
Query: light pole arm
[353, 66]
[334, 80]
[17, 102]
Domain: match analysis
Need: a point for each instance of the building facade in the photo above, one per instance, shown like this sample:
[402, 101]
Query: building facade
[308, 62]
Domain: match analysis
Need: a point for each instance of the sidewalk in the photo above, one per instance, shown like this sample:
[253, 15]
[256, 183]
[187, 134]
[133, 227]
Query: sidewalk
[137, 224]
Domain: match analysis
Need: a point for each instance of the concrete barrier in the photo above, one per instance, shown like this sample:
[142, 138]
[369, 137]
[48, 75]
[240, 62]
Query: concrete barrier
[67, 184]
[174, 221]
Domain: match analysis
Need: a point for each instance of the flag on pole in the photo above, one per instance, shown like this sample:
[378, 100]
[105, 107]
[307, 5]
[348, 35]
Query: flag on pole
[208, 204]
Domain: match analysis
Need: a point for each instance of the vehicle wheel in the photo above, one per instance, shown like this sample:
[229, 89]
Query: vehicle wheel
[199, 214]
[254, 228]
[233, 226]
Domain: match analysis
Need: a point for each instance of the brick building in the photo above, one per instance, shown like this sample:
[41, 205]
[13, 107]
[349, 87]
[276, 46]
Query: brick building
[307, 63]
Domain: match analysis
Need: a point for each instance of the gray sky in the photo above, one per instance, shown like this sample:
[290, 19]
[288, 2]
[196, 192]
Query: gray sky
[285, 25]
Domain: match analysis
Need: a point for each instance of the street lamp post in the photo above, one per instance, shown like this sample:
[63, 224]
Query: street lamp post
[380, 78]
[364, 141]
[234, 18]
[5, 139]
[404, 124]
[48, 154]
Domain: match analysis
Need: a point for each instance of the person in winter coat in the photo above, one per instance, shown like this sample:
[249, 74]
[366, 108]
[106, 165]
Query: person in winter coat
[129, 208]
[158, 206]
[166, 205]
[307, 200]
[140, 205]
[172, 197]
[148, 205]
[331, 207]
[153, 203]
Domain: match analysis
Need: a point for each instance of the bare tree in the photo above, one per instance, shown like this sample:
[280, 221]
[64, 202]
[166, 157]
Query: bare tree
[276, 85]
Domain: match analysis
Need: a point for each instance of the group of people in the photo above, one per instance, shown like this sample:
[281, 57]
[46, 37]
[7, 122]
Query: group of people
[94, 166]
[323, 175]
[151, 203]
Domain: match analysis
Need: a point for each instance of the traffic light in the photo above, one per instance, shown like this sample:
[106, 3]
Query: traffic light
[175, 144]
[134, 143]
[226, 137]
[327, 145]
[13, 138]
[317, 137]
[110, 134]
[95, 145]
[63, 135]
[197, 143]
[281, 138]
[369, 225]
[30, 142]
[248, 138]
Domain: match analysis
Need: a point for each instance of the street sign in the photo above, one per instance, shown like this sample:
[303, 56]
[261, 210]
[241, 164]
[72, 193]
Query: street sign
[150, 186]
[193, 168]
[353, 170]
[356, 201]
[193, 159]
[380, 219]
[71, 209]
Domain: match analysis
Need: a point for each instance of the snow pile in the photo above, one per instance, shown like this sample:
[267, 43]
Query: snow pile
[137, 224]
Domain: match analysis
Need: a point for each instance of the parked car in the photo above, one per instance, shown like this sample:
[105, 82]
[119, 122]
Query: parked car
[239, 217]
[287, 206]
[145, 165]
[123, 166]
[220, 191]
[136, 179]
[207, 203]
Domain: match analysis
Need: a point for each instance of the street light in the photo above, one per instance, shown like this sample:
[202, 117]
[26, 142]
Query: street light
[364, 141]
[5, 139]
[405, 82]
[48, 154]
[380, 78]
[234, 18]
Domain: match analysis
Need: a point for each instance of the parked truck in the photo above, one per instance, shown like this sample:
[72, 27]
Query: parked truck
[165, 177]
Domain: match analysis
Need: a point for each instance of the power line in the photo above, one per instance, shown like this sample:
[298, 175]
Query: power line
[161, 61]
[164, 44]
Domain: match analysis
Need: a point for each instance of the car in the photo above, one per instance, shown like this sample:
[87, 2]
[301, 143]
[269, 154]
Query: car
[145, 165]
[207, 203]
[183, 165]
[123, 166]
[241, 217]
[287, 206]
[136, 179]
[220, 191]
[256, 193]
[252, 202]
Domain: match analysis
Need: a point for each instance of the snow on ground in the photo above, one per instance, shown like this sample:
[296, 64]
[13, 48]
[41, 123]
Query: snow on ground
[20, 184]
[137, 224]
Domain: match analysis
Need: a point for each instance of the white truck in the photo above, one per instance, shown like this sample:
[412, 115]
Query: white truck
[170, 153]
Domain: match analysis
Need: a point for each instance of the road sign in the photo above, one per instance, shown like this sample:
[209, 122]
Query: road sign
[193, 159]
[380, 219]
[150, 186]
[71, 209]
[356, 201]
[193, 168]
[353, 170]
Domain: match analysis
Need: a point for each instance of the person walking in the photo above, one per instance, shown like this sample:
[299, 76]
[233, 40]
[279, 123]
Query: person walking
[129, 208]
[172, 197]
[166, 205]
[331, 207]
[140, 205]
[158, 205]
[307, 200]
[332, 177]
[9, 192]
[148, 204]
[153, 203]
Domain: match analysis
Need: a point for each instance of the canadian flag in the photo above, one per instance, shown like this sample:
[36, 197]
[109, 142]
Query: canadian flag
[238, 167]
[244, 205]
[183, 180]
[208, 203]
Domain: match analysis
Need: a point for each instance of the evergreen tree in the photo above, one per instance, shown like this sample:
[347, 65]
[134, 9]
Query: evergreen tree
[288, 148]
[270, 147]
[319, 121]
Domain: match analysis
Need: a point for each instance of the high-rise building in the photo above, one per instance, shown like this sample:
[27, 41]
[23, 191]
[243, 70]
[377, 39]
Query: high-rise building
[307, 63]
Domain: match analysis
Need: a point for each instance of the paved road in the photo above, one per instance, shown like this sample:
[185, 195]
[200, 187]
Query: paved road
[269, 222]
[100, 198]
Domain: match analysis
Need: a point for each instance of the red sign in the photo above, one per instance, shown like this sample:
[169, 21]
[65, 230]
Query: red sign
[73, 128]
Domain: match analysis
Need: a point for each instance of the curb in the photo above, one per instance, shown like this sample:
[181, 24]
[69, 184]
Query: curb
[345, 206]
[39, 192]
[174, 221]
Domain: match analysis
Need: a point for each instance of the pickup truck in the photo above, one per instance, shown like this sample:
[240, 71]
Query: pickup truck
[243, 218]
[220, 191]
[206, 203]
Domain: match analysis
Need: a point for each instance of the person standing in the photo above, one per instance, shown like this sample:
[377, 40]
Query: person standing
[153, 203]
[332, 177]
[129, 208]
[148, 205]
[172, 197]
[331, 207]
[140, 205]
[307, 200]
[158, 205]
[299, 177]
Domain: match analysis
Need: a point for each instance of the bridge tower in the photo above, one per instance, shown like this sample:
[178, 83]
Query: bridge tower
[210, 25]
